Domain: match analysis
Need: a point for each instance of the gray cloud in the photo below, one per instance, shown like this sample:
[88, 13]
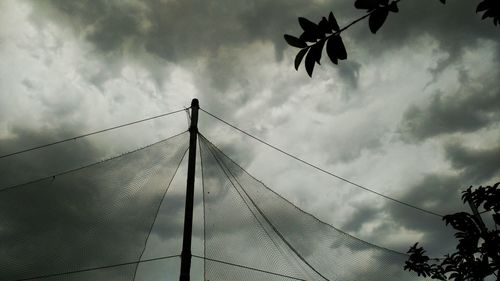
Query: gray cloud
[222, 44]
[361, 215]
[434, 192]
[186, 30]
[455, 26]
[177, 30]
[473, 107]
[349, 71]
[154, 32]
[437, 192]
[477, 166]
[37, 164]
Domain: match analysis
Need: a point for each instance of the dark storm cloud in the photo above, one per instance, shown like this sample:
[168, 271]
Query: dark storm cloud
[187, 30]
[217, 32]
[349, 71]
[440, 193]
[37, 164]
[474, 106]
[455, 26]
[477, 165]
[437, 192]
[176, 30]
[362, 215]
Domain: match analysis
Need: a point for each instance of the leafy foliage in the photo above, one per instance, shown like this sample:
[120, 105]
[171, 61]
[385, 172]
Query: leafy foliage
[478, 249]
[312, 41]
[491, 9]
[326, 31]
[378, 11]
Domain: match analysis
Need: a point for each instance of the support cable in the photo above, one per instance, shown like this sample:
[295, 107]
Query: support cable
[204, 220]
[88, 165]
[157, 212]
[248, 267]
[222, 166]
[273, 240]
[94, 268]
[321, 169]
[90, 134]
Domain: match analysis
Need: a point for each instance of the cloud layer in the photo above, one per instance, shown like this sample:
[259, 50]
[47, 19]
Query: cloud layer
[412, 113]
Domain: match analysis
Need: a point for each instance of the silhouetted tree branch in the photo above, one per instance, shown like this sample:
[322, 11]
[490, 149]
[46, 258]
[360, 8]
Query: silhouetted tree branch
[312, 41]
[478, 250]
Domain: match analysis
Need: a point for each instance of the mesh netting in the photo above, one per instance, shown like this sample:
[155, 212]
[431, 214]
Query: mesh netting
[94, 217]
[249, 224]
[223, 271]
[112, 221]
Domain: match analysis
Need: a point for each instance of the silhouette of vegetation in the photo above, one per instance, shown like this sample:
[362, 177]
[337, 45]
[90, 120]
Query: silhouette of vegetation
[314, 36]
[478, 250]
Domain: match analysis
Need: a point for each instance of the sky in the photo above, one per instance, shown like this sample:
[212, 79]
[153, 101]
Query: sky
[413, 113]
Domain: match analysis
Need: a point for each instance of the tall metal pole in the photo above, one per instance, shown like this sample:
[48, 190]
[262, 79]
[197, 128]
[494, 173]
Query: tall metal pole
[188, 215]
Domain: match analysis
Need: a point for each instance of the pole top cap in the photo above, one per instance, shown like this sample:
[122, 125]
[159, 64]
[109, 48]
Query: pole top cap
[195, 103]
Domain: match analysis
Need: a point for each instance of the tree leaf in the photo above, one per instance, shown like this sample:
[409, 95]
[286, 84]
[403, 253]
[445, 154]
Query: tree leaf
[310, 61]
[331, 50]
[336, 47]
[318, 50]
[307, 37]
[482, 6]
[294, 41]
[393, 7]
[310, 28]
[333, 22]
[366, 4]
[314, 56]
[299, 57]
[488, 13]
[342, 54]
[324, 26]
[377, 19]
[496, 218]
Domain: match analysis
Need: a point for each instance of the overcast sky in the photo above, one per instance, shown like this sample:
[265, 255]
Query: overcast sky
[413, 112]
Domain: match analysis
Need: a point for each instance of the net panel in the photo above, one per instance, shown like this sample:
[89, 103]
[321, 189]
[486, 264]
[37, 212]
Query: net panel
[236, 233]
[92, 217]
[223, 271]
[319, 250]
[117, 273]
[158, 270]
